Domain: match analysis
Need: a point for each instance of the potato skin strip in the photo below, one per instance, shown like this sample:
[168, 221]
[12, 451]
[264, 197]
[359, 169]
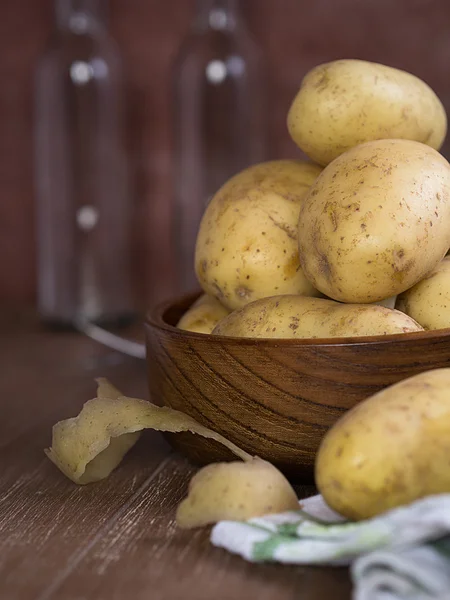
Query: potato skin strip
[235, 491]
[87, 448]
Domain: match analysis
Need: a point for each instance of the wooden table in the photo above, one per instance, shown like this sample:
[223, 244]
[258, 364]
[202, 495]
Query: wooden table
[118, 538]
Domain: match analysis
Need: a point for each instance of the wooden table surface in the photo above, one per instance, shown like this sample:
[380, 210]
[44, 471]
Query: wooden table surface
[118, 538]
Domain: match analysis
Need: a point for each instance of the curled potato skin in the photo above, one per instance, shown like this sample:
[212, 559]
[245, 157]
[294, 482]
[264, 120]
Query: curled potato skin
[348, 102]
[376, 221]
[235, 491]
[247, 242]
[88, 447]
[300, 317]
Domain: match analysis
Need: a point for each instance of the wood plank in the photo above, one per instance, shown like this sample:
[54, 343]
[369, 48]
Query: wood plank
[47, 522]
[144, 552]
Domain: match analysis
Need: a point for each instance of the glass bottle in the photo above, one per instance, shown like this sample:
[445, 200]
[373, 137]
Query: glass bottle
[219, 118]
[83, 204]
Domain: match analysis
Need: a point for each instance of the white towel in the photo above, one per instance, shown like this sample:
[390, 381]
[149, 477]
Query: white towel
[403, 554]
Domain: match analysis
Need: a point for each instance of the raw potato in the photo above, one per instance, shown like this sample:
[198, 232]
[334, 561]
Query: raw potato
[247, 242]
[347, 102]
[89, 447]
[301, 317]
[428, 302]
[390, 450]
[235, 491]
[376, 221]
[203, 315]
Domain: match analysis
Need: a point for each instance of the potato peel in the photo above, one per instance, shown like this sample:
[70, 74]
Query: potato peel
[235, 491]
[87, 448]
[105, 389]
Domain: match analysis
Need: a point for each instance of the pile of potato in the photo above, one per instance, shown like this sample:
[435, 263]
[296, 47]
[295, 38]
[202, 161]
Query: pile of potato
[352, 244]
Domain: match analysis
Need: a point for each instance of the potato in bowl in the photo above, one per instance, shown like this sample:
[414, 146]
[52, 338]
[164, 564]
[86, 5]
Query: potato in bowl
[429, 300]
[376, 221]
[247, 242]
[344, 103]
[299, 317]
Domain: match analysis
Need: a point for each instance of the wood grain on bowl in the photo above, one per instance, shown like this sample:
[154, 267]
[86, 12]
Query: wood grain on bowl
[275, 398]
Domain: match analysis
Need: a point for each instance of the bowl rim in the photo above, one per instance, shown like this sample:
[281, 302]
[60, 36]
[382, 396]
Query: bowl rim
[154, 317]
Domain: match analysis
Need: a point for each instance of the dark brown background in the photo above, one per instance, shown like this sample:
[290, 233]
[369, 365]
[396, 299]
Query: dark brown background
[295, 35]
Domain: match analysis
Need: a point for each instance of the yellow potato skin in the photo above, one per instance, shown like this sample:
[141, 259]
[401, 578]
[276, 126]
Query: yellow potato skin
[247, 242]
[348, 102]
[390, 450]
[302, 317]
[376, 221]
[203, 315]
[428, 302]
[235, 491]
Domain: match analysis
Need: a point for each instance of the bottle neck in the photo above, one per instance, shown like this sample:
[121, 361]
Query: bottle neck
[218, 15]
[81, 16]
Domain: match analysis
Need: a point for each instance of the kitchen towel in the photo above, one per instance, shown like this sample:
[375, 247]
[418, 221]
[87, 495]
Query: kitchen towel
[403, 554]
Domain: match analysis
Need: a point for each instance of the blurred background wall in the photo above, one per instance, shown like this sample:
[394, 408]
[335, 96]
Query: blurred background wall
[294, 35]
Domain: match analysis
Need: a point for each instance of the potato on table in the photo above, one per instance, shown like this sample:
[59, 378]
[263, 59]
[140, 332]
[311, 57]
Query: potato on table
[376, 221]
[247, 243]
[301, 317]
[428, 302]
[347, 102]
[203, 315]
[389, 450]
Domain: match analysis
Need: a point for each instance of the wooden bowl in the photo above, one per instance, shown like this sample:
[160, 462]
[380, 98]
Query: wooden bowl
[274, 398]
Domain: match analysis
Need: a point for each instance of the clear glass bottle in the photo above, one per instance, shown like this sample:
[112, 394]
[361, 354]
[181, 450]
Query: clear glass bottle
[82, 194]
[219, 118]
